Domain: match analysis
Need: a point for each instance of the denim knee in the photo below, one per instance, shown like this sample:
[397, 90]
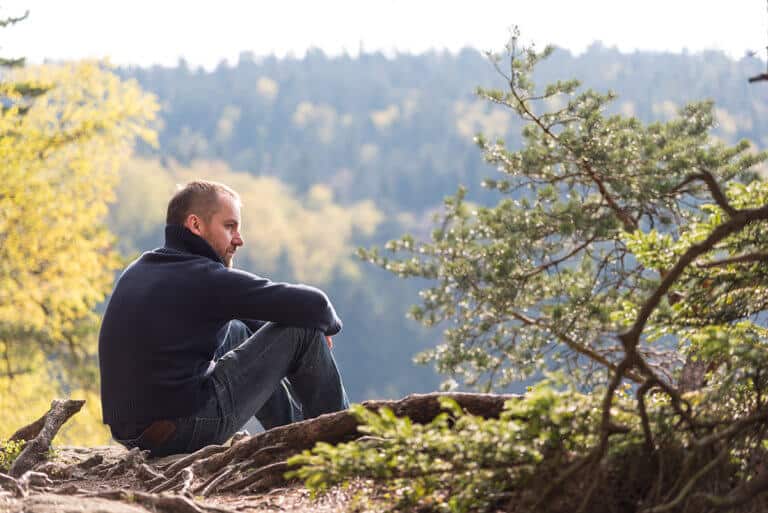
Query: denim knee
[306, 333]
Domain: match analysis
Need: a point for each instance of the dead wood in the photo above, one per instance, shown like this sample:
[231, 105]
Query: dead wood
[36, 449]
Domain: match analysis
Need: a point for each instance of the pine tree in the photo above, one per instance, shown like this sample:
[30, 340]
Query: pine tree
[618, 249]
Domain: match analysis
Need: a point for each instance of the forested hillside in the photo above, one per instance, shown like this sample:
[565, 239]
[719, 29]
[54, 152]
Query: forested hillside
[339, 152]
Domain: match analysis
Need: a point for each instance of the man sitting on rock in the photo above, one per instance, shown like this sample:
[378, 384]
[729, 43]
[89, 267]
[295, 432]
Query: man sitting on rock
[190, 348]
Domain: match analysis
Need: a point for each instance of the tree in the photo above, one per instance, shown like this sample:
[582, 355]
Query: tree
[618, 250]
[63, 131]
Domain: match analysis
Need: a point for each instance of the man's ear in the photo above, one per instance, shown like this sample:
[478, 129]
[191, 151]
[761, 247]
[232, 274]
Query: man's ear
[193, 224]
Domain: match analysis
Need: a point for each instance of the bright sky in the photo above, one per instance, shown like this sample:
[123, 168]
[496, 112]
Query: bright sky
[160, 31]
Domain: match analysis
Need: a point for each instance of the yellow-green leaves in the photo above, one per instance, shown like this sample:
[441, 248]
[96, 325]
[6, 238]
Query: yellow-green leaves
[59, 152]
[9, 451]
[58, 174]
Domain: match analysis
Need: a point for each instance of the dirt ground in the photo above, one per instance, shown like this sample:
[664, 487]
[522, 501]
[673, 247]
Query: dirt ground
[59, 499]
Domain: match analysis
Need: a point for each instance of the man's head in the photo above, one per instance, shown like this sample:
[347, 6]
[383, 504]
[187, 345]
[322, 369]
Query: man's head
[210, 210]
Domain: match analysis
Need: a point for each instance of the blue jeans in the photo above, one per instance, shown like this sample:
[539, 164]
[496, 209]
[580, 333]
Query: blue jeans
[280, 374]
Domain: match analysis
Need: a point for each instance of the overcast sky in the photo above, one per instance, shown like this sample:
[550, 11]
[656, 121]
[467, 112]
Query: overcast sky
[160, 31]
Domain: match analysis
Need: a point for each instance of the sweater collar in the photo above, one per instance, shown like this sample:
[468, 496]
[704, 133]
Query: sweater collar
[179, 237]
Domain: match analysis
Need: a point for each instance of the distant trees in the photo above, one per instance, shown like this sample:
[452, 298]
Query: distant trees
[396, 132]
[309, 237]
[399, 129]
[63, 131]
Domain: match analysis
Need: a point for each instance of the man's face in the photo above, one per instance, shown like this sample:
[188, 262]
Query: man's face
[222, 232]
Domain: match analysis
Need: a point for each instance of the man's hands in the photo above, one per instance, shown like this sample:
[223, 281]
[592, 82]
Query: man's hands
[329, 340]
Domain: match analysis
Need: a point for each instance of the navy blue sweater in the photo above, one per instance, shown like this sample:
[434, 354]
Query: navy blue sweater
[159, 331]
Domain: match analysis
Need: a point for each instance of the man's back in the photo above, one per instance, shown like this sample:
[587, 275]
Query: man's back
[156, 338]
[160, 327]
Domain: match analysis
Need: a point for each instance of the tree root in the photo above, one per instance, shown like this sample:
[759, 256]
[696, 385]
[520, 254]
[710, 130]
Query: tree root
[163, 503]
[210, 486]
[131, 461]
[12, 485]
[40, 434]
[263, 478]
[201, 454]
[30, 480]
[250, 463]
[257, 463]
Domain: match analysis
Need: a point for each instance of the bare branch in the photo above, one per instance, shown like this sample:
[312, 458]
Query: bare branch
[714, 188]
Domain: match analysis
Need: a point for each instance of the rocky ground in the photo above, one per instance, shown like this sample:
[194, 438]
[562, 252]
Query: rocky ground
[245, 474]
[71, 495]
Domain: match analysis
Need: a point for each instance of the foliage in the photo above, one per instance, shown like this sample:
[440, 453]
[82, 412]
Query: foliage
[308, 237]
[57, 262]
[534, 281]
[60, 151]
[618, 246]
[9, 451]
[458, 462]
[398, 130]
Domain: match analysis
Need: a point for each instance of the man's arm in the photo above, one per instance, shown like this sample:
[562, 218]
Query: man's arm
[255, 325]
[242, 295]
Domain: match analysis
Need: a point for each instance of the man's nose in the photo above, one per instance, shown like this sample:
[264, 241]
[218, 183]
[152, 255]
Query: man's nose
[237, 240]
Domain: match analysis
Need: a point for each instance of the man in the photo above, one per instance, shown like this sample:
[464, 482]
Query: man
[190, 348]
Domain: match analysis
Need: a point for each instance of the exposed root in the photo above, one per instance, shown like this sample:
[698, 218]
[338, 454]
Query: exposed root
[210, 486]
[222, 467]
[199, 455]
[258, 475]
[131, 461]
[12, 485]
[250, 463]
[44, 429]
[147, 474]
[71, 489]
[91, 462]
[186, 482]
[163, 503]
[32, 479]
[175, 482]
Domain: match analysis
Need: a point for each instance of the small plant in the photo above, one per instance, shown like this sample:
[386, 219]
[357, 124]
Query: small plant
[9, 451]
[458, 462]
